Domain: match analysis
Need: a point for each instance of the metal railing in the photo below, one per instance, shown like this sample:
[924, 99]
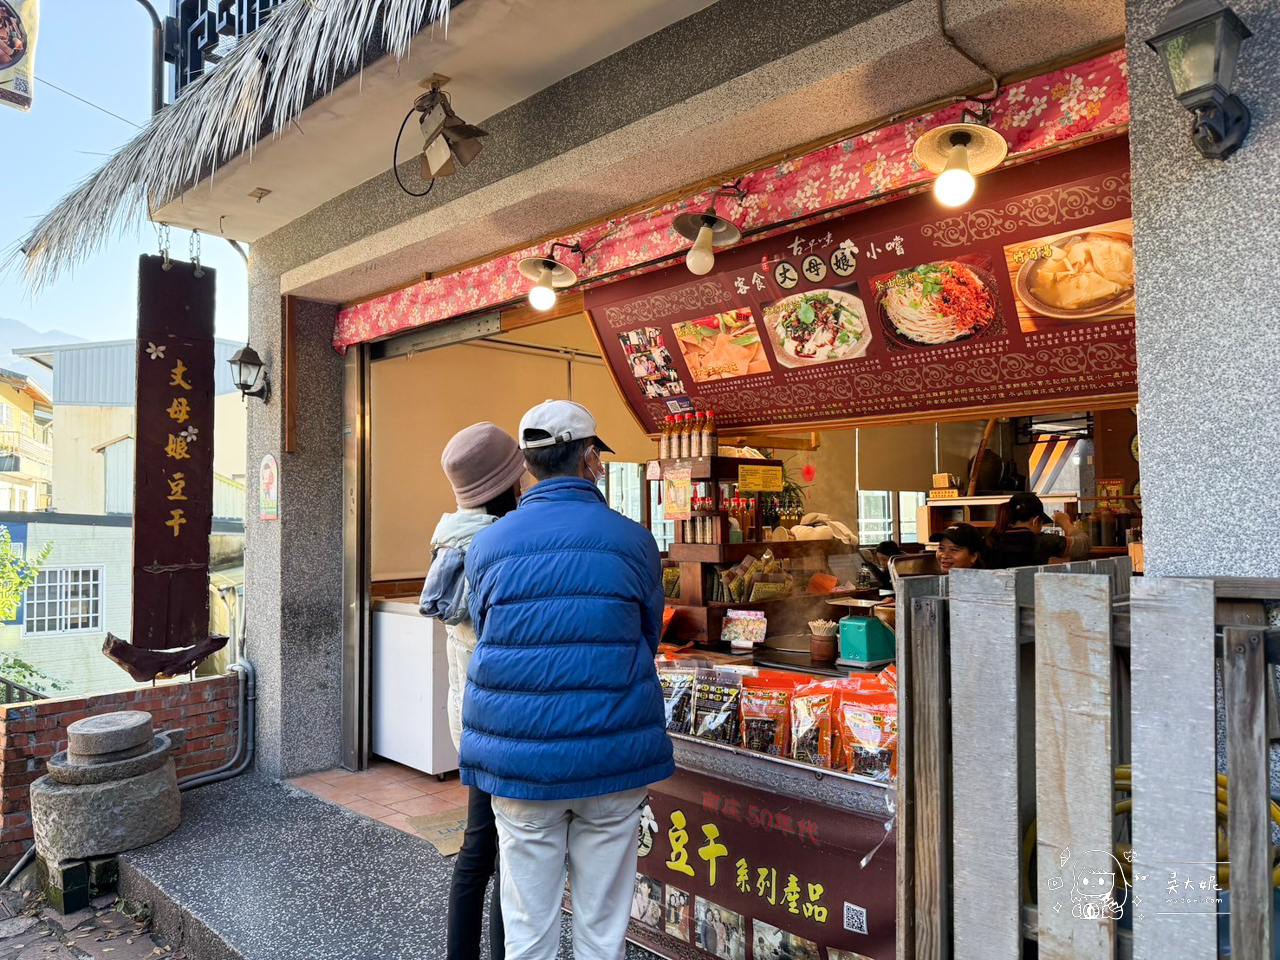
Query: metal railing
[23, 444]
[17, 693]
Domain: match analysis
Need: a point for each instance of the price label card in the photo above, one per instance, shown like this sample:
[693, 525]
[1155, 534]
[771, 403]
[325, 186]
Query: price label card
[677, 487]
[948, 494]
[760, 479]
[654, 470]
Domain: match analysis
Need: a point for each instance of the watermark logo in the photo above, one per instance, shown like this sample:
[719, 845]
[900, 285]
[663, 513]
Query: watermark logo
[1092, 884]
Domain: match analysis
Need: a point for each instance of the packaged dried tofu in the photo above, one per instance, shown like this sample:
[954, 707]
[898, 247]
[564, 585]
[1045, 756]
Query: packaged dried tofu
[715, 712]
[677, 698]
[765, 709]
[812, 707]
[889, 677]
[868, 730]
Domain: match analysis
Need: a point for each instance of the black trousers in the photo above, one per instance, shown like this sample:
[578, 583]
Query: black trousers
[476, 862]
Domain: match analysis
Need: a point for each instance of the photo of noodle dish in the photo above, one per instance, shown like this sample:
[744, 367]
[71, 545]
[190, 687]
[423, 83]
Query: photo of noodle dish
[821, 326]
[1084, 276]
[939, 302]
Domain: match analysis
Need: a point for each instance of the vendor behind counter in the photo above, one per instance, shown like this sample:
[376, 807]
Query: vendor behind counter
[1018, 538]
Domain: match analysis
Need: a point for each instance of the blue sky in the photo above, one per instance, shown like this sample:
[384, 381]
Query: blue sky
[99, 50]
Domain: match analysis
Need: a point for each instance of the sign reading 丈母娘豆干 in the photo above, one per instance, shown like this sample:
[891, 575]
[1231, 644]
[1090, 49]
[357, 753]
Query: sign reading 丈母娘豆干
[903, 310]
[173, 486]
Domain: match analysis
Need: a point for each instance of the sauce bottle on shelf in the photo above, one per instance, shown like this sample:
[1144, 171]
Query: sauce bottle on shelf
[686, 436]
[753, 518]
[1107, 527]
[664, 440]
[710, 437]
[695, 436]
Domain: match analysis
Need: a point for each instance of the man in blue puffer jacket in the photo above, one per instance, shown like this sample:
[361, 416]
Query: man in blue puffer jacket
[563, 722]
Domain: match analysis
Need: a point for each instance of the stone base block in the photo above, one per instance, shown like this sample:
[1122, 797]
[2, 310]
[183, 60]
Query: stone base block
[65, 884]
[81, 821]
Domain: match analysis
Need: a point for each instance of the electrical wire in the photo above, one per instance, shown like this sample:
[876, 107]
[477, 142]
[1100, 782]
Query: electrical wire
[395, 158]
[88, 103]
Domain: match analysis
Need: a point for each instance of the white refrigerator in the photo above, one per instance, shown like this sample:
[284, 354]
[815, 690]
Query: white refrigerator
[411, 689]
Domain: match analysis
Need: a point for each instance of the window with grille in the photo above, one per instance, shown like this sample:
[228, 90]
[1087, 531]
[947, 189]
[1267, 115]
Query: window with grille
[64, 600]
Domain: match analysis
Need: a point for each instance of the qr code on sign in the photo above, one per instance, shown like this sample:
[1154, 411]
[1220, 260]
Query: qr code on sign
[855, 918]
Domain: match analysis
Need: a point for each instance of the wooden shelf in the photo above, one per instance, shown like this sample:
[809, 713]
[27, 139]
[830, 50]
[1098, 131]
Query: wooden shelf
[703, 622]
[717, 468]
[736, 552]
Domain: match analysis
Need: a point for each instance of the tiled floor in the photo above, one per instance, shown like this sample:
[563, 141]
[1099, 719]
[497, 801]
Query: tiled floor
[388, 792]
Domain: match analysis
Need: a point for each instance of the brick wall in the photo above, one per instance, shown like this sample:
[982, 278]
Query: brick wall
[382, 589]
[31, 733]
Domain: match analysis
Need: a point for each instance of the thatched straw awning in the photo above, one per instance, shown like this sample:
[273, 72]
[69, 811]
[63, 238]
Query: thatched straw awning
[304, 50]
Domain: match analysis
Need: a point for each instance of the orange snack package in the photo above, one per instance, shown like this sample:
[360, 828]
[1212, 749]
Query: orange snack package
[765, 711]
[868, 730]
[812, 712]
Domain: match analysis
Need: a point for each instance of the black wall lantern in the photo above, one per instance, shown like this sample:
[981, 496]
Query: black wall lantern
[1199, 42]
[250, 374]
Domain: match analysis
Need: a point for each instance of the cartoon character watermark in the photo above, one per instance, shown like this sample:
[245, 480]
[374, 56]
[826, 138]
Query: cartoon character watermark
[1099, 887]
[1094, 893]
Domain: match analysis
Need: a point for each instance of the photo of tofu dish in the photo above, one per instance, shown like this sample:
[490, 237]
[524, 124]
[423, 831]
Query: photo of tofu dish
[1085, 275]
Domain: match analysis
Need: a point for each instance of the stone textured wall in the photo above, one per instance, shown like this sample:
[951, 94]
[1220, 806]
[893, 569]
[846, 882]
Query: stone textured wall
[31, 733]
[1208, 311]
[293, 566]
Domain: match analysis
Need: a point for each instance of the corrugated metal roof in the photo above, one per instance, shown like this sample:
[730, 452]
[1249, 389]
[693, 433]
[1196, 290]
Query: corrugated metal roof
[104, 374]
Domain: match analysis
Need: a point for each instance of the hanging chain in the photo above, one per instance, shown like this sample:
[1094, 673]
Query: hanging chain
[162, 241]
[194, 247]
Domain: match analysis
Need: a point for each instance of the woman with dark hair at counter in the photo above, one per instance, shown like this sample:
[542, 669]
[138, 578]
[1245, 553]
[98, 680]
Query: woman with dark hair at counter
[1018, 538]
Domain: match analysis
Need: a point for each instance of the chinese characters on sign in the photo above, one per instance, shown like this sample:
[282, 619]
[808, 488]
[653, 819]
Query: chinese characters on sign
[173, 493]
[765, 866]
[899, 309]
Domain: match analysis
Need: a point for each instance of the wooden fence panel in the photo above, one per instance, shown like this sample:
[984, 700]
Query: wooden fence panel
[930, 682]
[985, 768]
[908, 589]
[1174, 762]
[1074, 798]
[1244, 677]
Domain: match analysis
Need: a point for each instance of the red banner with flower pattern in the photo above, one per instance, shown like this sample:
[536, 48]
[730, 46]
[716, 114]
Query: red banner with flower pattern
[1077, 103]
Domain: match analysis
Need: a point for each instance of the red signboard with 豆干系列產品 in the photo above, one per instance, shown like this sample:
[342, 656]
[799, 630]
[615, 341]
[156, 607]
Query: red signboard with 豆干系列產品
[734, 872]
[902, 310]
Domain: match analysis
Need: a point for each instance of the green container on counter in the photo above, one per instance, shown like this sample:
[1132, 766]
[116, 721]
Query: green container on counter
[866, 640]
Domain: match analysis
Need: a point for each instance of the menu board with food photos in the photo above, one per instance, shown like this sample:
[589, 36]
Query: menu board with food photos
[1022, 297]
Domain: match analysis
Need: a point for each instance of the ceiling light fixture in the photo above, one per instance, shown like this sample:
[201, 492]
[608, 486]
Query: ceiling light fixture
[708, 230]
[1199, 42]
[449, 142]
[549, 275]
[958, 153]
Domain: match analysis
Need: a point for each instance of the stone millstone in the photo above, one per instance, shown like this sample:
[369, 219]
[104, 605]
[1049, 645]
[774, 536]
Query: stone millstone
[76, 822]
[109, 733]
[143, 761]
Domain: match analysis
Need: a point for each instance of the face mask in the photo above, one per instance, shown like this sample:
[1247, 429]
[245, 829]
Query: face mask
[593, 475]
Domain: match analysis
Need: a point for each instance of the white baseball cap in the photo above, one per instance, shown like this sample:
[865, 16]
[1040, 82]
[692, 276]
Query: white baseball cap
[564, 420]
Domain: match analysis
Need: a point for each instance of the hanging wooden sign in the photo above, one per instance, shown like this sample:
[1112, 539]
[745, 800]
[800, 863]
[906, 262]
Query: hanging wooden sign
[173, 473]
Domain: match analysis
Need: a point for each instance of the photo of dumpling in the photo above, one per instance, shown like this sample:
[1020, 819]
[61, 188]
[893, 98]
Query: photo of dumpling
[1082, 276]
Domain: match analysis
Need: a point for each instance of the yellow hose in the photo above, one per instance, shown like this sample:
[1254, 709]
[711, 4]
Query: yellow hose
[1124, 784]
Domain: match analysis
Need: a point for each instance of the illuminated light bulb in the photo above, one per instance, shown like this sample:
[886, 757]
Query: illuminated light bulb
[543, 296]
[955, 184]
[701, 257]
